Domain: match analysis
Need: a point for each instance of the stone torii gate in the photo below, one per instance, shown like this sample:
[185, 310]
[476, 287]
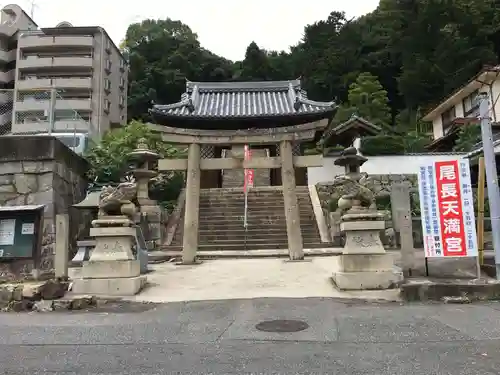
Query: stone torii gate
[285, 137]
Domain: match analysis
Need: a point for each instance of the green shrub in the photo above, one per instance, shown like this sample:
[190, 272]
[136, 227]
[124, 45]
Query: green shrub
[382, 145]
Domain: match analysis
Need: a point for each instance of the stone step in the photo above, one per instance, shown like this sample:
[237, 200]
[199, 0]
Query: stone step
[223, 222]
[259, 216]
[240, 211]
[250, 200]
[256, 236]
[252, 226]
[250, 196]
[274, 200]
[275, 211]
[234, 202]
[162, 255]
[237, 225]
[254, 190]
[254, 231]
[242, 247]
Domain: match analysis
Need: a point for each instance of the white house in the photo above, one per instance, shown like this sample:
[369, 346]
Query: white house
[460, 107]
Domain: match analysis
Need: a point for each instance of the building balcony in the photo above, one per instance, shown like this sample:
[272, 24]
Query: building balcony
[55, 62]
[6, 96]
[5, 118]
[77, 126]
[7, 30]
[46, 41]
[7, 77]
[7, 56]
[30, 105]
[58, 83]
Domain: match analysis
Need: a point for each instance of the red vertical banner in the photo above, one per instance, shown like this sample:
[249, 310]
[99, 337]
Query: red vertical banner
[450, 208]
[249, 173]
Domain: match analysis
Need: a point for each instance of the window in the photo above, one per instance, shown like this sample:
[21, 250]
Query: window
[107, 84]
[107, 105]
[122, 101]
[108, 65]
[448, 116]
[471, 107]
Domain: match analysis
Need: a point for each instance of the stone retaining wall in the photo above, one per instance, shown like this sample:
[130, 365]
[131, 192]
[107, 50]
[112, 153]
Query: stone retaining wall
[41, 170]
[382, 186]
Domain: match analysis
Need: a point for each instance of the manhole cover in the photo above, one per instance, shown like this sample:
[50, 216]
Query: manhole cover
[282, 326]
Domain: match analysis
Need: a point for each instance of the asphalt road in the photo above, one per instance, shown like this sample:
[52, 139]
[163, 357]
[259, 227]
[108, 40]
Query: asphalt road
[220, 338]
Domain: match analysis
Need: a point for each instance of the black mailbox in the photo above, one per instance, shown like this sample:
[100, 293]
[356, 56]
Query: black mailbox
[20, 231]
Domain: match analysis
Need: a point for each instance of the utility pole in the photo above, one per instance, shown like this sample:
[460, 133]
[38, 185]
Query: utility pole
[52, 109]
[32, 10]
[491, 174]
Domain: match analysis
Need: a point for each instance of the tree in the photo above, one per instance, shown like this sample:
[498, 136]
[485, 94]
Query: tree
[368, 99]
[109, 159]
[418, 50]
[164, 54]
[255, 66]
[468, 136]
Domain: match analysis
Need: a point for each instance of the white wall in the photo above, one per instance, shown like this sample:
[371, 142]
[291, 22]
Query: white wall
[377, 165]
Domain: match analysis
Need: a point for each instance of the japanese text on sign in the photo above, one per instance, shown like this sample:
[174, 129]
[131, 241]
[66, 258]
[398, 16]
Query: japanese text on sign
[447, 210]
[450, 207]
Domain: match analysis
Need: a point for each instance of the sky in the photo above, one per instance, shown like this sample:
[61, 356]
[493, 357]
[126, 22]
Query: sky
[225, 27]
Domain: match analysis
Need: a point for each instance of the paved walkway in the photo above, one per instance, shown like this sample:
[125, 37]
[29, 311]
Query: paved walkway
[247, 278]
[220, 337]
[273, 277]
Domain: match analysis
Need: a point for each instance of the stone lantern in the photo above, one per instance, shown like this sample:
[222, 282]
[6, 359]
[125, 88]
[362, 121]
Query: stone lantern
[143, 160]
[90, 206]
[352, 161]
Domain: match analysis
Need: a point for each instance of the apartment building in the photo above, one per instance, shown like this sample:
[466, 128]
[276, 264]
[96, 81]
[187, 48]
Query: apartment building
[460, 108]
[12, 19]
[71, 79]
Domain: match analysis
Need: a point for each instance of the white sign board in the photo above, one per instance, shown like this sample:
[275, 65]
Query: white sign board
[447, 209]
[28, 228]
[7, 229]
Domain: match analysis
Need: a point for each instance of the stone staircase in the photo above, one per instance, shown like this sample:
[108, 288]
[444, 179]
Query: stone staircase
[222, 216]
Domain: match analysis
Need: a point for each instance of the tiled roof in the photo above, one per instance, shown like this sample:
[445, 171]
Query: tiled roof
[478, 147]
[217, 100]
[357, 122]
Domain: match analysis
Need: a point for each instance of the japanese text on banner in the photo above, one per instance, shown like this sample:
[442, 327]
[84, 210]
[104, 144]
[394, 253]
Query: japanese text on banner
[450, 208]
[248, 173]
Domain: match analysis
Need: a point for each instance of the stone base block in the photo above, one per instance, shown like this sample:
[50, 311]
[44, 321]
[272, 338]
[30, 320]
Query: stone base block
[110, 286]
[365, 262]
[362, 225]
[367, 280]
[363, 242]
[113, 243]
[111, 269]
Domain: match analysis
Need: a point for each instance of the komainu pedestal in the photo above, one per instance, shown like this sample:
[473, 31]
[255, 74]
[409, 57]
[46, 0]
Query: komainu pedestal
[364, 263]
[112, 269]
